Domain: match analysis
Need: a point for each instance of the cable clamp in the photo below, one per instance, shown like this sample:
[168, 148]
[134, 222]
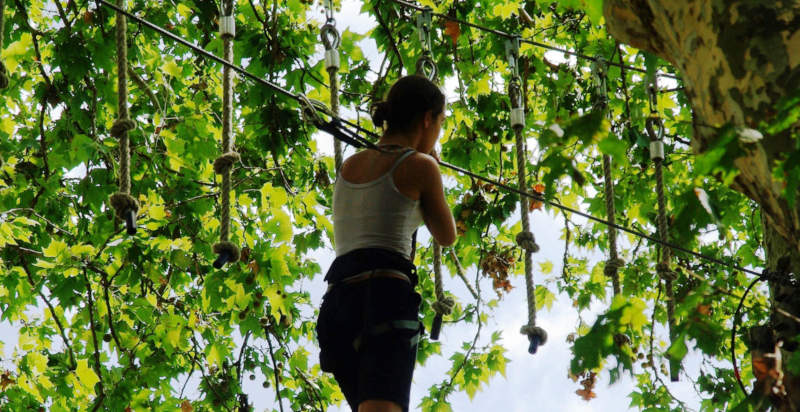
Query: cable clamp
[656, 150]
[517, 117]
[332, 59]
[227, 26]
[512, 54]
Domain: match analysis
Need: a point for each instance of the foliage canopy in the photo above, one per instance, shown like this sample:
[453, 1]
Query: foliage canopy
[112, 320]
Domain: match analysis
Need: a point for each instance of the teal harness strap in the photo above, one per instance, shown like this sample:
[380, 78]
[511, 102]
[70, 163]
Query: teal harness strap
[385, 327]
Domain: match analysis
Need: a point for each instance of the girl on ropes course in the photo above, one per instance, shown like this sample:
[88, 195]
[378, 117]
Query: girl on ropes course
[368, 326]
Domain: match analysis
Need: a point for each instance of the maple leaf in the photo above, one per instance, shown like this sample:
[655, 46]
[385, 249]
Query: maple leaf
[586, 394]
[536, 204]
[186, 406]
[453, 30]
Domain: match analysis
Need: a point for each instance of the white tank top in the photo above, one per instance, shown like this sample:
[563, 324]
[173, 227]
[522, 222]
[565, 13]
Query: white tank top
[374, 214]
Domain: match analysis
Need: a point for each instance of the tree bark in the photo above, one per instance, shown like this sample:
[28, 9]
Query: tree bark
[737, 60]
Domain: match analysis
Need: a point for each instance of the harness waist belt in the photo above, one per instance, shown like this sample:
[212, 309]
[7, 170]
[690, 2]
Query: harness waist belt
[371, 274]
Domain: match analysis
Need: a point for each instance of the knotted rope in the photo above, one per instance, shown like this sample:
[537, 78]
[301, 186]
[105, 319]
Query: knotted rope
[655, 129]
[614, 263]
[125, 206]
[3, 72]
[536, 335]
[444, 304]
[331, 39]
[227, 251]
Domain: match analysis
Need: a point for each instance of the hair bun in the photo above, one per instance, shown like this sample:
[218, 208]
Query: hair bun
[380, 113]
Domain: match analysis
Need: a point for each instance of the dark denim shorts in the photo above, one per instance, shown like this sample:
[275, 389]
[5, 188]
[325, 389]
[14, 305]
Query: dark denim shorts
[383, 365]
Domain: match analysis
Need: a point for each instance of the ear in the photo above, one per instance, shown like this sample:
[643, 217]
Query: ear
[428, 119]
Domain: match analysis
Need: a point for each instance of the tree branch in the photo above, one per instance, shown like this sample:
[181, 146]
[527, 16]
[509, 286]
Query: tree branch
[50, 307]
[97, 365]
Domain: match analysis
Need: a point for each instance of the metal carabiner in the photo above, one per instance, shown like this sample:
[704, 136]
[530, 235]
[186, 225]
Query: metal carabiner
[424, 19]
[329, 11]
[512, 54]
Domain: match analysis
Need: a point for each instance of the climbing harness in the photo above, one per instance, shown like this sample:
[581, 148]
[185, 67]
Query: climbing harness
[331, 39]
[426, 66]
[614, 263]
[525, 239]
[655, 130]
[226, 250]
[3, 71]
[125, 205]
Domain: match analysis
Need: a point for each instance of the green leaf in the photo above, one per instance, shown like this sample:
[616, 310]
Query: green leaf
[87, 377]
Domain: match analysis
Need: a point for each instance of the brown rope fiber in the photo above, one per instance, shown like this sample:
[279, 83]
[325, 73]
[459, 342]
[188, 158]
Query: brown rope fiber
[228, 251]
[124, 205]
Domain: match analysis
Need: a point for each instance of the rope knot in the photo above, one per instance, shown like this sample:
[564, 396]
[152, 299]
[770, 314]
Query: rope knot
[444, 306]
[613, 266]
[3, 76]
[122, 203]
[225, 162]
[536, 335]
[527, 241]
[121, 126]
[227, 248]
[665, 272]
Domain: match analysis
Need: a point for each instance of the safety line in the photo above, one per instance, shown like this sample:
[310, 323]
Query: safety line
[531, 42]
[333, 127]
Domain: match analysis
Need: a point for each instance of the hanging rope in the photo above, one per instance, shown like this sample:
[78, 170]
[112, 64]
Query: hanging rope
[614, 263]
[655, 130]
[525, 239]
[426, 66]
[443, 305]
[125, 205]
[330, 38]
[226, 250]
[3, 72]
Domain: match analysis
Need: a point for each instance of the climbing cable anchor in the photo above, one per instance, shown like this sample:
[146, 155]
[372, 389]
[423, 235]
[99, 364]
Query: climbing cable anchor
[425, 64]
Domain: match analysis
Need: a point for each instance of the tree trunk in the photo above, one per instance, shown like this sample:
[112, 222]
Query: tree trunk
[737, 60]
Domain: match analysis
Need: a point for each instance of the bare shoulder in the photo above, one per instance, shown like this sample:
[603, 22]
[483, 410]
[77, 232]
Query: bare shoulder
[421, 164]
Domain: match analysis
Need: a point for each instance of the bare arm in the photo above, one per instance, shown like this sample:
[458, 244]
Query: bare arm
[435, 211]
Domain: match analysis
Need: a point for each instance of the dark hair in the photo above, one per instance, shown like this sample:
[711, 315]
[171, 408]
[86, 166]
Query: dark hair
[408, 100]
